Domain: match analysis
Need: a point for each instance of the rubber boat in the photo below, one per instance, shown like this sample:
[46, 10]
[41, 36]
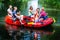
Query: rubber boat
[10, 24]
[30, 23]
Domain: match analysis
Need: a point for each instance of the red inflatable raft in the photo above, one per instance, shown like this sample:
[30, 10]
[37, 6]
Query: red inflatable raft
[44, 23]
[31, 24]
[10, 24]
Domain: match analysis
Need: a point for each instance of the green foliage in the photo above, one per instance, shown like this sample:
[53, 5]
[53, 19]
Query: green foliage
[50, 3]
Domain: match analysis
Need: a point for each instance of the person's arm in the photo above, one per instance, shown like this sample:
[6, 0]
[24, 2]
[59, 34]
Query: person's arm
[21, 18]
[17, 16]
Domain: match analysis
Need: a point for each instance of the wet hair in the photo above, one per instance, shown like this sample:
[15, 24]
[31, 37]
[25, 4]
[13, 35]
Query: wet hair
[18, 13]
[38, 8]
[31, 7]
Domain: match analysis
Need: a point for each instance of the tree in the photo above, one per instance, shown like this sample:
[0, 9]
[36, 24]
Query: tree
[51, 3]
